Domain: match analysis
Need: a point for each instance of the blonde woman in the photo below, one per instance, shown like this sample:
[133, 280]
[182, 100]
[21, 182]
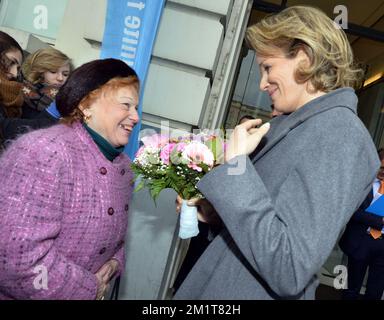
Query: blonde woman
[286, 195]
[45, 71]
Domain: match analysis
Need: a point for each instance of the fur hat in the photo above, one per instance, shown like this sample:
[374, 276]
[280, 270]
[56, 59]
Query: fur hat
[89, 77]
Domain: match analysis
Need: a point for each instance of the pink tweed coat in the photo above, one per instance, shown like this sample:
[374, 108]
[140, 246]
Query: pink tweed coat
[63, 214]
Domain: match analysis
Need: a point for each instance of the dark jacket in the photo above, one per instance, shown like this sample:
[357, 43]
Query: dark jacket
[14, 98]
[10, 128]
[355, 234]
[36, 99]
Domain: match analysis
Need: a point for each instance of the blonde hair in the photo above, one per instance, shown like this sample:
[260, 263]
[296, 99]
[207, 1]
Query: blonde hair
[106, 90]
[307, 28]
[43, 60]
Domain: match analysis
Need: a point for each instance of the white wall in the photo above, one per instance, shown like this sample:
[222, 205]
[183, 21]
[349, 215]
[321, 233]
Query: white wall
[27, 41]
[220, 7]
[175, 94]
[189, 38]
[79, 17]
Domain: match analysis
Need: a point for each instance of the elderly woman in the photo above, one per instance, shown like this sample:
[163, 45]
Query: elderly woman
[64, 211]
[45, 71]
[287, 188]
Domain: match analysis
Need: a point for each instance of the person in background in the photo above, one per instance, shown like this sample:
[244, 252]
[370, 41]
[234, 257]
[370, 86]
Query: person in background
[11, 57]
[11, 93]
[44, 71]
[362, 241]
[288, 187]
[65, 207]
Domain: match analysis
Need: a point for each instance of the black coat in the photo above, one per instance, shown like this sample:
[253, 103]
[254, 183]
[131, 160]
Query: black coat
[355, 240]
[10, 128]
[36, 99]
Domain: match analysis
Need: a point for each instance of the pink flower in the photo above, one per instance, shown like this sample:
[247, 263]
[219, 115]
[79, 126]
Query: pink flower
[155, 141]
[197, 153]
[194, 166]
[140, 152]
[180, 146]
[166, 151]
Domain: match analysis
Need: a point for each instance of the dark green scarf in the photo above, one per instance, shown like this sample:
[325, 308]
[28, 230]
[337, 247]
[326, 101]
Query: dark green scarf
[109, 151]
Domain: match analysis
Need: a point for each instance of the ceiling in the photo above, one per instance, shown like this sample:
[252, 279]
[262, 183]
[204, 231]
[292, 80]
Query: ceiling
[368, 13]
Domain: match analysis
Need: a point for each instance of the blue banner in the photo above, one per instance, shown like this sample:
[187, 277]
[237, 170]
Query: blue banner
[130, 32]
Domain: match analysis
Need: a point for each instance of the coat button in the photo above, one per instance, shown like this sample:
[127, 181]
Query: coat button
[122, 172]
[126, 207]
[103, 171]
[111, 211]
[102, 251]
[120, 243]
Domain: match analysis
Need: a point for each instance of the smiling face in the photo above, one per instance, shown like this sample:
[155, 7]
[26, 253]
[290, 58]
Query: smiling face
[58, 77]
[278, 79]
[15, 58]
[114, 114]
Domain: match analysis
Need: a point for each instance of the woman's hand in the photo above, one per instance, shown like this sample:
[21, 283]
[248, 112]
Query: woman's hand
[245, 138]
[104, 276]
[102, 287]
[205, 211]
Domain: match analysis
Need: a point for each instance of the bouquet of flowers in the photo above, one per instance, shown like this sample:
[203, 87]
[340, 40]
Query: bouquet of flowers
[164, 162]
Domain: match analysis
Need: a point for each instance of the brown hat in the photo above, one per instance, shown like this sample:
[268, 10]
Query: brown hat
[89, 77]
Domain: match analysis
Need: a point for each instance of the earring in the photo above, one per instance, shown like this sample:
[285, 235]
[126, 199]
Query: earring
[86, 118]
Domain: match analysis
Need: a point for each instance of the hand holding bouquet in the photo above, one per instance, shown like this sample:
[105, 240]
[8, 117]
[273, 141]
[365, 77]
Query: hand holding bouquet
[164, 162]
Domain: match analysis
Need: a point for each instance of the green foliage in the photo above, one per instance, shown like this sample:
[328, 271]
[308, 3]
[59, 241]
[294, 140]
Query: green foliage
[140, 186]
[180, 178]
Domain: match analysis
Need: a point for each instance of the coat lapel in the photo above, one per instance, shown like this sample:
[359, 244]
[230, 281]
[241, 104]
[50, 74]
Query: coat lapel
[282, 125]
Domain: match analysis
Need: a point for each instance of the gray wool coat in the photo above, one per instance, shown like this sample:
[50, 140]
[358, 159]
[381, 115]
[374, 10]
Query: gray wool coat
[284, 213]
